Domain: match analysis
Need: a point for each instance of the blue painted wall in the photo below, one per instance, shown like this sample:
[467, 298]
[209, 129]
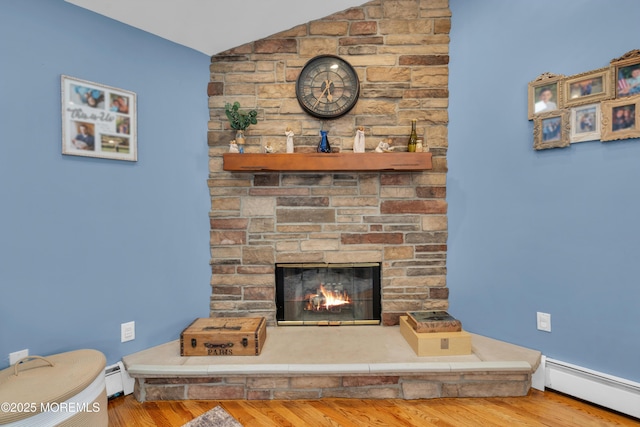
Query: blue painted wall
[87, 244]
[556, 230]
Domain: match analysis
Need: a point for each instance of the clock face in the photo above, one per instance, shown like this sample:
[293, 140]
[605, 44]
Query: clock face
[327, 87]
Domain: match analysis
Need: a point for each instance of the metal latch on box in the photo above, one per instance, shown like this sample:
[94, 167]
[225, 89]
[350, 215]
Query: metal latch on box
[211, 345]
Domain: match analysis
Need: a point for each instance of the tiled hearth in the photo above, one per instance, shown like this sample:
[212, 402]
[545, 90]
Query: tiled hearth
[373, 362]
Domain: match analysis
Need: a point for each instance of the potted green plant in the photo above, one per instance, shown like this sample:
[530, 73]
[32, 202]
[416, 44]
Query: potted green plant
[240, 120]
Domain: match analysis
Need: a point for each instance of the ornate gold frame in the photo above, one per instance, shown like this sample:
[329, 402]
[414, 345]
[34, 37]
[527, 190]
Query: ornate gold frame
[610, 130]
[617, 65]
[603, 91]
[545, 80]
[559, 117]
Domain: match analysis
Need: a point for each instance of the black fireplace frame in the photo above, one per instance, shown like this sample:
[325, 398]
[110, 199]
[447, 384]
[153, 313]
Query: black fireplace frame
[376, 290]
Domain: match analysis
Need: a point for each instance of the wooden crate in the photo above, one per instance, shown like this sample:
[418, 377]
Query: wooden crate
[436, 343]
[224, 336]
[433, 321]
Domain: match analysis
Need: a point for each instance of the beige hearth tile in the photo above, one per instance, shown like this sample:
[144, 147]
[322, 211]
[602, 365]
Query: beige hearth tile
[411, 367]
[371, 349]
[163, 354]
[326, 368]
[504, 365]
[488, 349]
[247, 369]
[168, 370]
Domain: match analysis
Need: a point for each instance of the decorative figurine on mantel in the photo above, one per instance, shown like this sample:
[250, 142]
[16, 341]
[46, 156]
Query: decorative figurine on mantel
[233, 147]
[268, 148]
[384, 147]
[289, 134]
[358, 141]
[323, 145]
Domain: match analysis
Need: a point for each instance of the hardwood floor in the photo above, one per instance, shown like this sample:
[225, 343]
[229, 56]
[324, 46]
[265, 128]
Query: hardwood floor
[537, 409]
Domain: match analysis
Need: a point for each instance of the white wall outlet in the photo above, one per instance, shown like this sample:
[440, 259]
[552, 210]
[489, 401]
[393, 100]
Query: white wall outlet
[17, 355]
[544, 321]
[127, 331]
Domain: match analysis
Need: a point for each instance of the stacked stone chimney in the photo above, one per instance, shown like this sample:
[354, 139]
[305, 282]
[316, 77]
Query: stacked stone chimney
[400, 50]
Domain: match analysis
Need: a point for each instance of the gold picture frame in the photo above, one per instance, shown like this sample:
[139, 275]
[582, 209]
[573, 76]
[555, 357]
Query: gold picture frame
[545, 94]
[551, 130]
[625, 74]
[621, 118]
[588, 87]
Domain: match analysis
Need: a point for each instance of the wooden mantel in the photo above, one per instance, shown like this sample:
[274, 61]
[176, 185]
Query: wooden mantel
[316, 162]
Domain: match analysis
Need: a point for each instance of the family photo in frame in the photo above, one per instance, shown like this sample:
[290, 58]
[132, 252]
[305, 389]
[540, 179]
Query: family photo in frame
[589, 87]
[620, 118]
[602, 104]
[551, 130]
[626, 74]
[545, 94]
[585, 123]
[98, 120]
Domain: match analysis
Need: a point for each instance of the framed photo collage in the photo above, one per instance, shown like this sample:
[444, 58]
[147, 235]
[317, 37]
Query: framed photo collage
[98, 120]
[602, 104]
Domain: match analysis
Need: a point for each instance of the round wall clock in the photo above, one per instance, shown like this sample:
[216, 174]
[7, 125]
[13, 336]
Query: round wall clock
[327, 87]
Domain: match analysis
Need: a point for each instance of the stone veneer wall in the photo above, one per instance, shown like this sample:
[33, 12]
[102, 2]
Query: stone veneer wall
[400, 50]
[429, 385]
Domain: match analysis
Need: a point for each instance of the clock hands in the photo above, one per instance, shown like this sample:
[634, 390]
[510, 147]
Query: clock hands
[326, 90]
[329, 83]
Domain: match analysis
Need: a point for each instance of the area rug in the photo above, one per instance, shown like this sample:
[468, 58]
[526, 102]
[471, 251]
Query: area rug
[216, 417]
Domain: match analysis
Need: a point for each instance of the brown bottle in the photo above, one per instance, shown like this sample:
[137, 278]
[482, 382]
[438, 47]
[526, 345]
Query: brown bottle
[413, 138]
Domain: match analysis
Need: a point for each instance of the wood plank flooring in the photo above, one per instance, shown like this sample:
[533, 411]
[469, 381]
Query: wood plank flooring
[536, 409]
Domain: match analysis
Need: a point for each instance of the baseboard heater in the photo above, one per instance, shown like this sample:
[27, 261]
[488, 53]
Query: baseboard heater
[118, 381]
[605, 390]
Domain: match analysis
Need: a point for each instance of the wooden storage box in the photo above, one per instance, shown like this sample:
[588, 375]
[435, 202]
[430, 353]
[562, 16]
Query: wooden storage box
[224, 336]
[436, 343]
[433, 321]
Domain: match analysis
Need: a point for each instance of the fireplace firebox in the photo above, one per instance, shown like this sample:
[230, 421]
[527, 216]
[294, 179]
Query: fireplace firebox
[328, 294]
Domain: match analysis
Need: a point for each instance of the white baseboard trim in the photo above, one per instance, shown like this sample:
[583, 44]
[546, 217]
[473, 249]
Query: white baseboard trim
[602, 389]
[117, 380]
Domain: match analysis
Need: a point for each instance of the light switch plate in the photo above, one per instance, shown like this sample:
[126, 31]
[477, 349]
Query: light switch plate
[544, 322]
[127, 331]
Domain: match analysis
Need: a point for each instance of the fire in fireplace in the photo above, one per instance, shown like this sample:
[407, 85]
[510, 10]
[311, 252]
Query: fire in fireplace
[328, 294]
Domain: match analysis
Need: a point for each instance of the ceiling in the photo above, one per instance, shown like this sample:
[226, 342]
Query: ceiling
[210, 26]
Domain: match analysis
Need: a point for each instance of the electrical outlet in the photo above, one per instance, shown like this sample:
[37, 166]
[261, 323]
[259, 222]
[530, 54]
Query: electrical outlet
[15, 356]
[127, 331]
[544, 322]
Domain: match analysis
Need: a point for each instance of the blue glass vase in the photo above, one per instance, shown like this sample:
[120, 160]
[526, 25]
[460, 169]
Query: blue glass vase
[323, 145]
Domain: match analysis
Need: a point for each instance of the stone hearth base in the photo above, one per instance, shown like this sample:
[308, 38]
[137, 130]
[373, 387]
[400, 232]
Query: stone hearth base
[373, 362]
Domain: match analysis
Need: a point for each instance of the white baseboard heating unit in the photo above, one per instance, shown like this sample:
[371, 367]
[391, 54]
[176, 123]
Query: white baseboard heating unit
[117, 380]
[605, 390]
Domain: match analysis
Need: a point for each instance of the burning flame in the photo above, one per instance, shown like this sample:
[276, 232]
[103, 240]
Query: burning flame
[327, 299]
[334, 298]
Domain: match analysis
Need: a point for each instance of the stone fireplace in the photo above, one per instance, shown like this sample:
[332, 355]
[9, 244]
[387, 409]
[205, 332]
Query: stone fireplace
[396, 219]
[264, 218]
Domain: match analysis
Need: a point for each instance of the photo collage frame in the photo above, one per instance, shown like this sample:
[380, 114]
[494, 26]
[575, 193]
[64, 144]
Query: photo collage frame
[98, 120]
[602, 104]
